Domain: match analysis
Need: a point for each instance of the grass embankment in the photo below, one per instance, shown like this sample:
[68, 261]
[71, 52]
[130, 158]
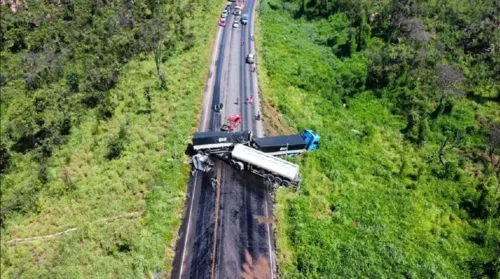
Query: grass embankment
[148, 177]
[372, 204]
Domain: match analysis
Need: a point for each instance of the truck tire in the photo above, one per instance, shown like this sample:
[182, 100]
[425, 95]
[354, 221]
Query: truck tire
[278, 180]
[285, 184]
[270, 177]
[239, 166]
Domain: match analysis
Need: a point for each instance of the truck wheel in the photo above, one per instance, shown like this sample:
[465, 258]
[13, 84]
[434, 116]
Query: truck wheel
[285, 184]
[278, 180]
[270, 177]
[239, 166]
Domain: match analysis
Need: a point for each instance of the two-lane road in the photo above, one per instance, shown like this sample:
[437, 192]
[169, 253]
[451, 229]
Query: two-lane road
[226, 231]
[245, 242]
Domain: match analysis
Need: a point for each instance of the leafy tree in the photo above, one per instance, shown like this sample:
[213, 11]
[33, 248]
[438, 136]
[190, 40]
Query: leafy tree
[423, 132]
[116, 145]
[423, 65]
[4, 158]
[115, 148]
[73, 82]
[493, 145]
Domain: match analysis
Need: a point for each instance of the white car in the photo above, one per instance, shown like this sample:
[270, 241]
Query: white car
[236, 24]
[224, 14]
[250, 58]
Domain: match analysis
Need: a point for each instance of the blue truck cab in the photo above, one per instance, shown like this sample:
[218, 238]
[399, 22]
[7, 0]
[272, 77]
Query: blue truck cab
[311, 139]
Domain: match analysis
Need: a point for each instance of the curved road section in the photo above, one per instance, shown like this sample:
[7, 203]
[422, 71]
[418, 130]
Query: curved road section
[226, 230]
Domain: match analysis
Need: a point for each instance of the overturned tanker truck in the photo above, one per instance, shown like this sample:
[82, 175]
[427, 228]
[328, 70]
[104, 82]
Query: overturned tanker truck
[234, 148]
[271, 168]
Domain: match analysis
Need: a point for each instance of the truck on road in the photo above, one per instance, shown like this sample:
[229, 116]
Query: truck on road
[291, 145]
[257, 155]
[272, 169]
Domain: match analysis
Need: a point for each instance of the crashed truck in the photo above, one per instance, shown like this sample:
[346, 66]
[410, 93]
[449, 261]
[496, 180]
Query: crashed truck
[206, 143]
[233, 147]
[272, 169]
[289, 145]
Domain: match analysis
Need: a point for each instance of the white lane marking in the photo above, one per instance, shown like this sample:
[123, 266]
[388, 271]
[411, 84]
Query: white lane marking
[207, 102]
[259, 129]
[254, 74]
[212, 68]
[217, 206]
[188, 225]
[227, 54]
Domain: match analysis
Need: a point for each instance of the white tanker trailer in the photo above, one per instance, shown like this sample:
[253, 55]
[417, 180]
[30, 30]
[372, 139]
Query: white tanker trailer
[273, 169]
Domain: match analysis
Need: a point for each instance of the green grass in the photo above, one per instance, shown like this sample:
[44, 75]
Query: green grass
[84, 187]
[371, 204]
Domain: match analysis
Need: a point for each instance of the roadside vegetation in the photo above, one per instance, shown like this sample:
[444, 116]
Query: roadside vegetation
[405, 95]
[97, 106]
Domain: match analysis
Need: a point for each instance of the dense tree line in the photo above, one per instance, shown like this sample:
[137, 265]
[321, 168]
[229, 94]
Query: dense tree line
[423, 56]
[434, 65]
[59, 61]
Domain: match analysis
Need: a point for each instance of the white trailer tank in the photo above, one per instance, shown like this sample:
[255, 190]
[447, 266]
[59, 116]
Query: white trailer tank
[273, 165]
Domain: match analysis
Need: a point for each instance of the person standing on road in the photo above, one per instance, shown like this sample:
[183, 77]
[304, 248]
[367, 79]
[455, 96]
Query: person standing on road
[237, 100]
[243, 43]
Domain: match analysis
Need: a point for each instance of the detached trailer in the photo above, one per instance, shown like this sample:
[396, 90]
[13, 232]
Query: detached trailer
[273, 169]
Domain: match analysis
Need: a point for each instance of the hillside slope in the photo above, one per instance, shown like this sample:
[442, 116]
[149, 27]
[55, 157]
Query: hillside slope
[97, 104]
[389, 86]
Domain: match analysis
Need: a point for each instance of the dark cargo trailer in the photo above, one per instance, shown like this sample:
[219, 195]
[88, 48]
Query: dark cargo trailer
[280, 145]
[213, 142]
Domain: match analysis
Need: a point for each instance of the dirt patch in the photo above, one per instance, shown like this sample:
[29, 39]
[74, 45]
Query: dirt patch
[274, 123]
[264, 219]
[257, 270]
[473, 171]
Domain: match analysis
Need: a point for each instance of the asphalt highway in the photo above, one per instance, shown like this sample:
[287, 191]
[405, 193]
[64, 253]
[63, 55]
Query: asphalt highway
[226, 231]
